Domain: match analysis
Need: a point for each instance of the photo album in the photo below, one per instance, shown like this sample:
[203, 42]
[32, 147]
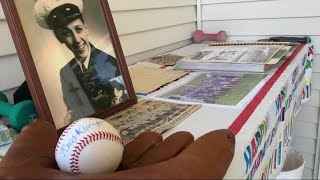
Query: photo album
[251, 58]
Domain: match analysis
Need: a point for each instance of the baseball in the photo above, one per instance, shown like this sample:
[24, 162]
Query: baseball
[89, 145]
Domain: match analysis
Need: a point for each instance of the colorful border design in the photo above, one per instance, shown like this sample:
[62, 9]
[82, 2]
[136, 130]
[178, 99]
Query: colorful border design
[241, 120]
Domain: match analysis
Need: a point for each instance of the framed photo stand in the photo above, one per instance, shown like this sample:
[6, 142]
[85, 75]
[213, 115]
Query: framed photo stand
[71, 57]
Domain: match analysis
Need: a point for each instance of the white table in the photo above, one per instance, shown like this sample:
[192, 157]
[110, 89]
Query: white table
[259, 152]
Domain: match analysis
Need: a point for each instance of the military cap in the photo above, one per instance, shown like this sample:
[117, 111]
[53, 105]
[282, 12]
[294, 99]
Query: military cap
[56, 13]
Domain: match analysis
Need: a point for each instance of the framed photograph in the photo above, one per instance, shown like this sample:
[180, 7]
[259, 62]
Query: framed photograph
[71, 57]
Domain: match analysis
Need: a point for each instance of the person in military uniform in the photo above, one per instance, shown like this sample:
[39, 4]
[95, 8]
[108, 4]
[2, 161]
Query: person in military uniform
[91, 81]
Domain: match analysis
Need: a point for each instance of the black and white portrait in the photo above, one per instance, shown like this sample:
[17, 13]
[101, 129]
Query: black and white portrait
[74, 56]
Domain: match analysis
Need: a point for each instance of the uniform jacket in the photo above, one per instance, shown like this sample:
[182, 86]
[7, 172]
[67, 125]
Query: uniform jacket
[100, 86]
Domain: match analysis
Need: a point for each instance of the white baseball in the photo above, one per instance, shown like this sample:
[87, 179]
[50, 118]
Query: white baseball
[89, 145]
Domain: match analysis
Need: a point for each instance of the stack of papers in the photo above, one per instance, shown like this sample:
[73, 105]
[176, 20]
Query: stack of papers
[251, 58]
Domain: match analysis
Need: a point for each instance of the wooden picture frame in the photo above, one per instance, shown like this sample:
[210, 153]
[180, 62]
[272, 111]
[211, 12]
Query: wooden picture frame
[62, 96]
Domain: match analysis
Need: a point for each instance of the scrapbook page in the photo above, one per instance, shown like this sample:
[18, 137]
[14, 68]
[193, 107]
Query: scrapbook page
[150, 115]
[165, 59]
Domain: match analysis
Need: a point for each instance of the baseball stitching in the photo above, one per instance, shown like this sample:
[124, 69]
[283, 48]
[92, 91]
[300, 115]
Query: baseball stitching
[64, 134]
[95, 136]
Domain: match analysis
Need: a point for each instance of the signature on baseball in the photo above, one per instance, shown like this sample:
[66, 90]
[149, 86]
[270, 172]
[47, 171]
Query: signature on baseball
[78, 131]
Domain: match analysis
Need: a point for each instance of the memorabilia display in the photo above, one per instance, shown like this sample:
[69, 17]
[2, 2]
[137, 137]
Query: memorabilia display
[252, 58]
[216, 88]
[150, 115]
[71, 57]
[146, 79]
[165, 59]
